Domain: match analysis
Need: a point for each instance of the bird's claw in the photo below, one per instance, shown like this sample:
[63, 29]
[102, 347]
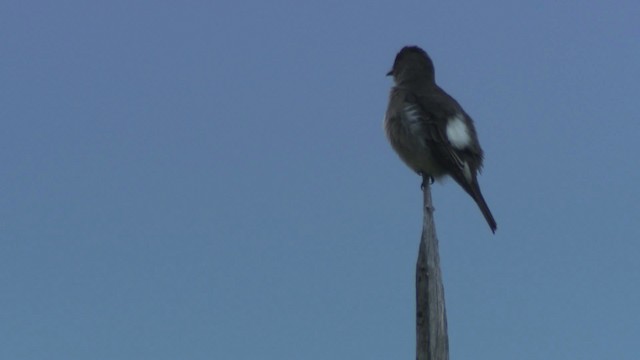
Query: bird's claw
[426, 178]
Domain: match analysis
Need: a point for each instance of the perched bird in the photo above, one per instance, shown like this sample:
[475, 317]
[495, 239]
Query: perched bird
[429, 130]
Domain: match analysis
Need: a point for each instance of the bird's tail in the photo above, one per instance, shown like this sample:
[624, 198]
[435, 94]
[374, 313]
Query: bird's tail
[473, 189]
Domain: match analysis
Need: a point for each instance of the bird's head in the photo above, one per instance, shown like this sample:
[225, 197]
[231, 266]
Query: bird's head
[412, 63]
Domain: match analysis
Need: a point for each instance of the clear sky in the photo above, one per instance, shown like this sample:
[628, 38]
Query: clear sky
[210, 180]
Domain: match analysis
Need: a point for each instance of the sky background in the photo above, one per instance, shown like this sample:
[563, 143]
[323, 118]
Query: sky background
[210, 180]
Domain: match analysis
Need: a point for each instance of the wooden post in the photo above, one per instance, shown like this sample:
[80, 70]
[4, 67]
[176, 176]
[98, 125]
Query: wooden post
[431, 316]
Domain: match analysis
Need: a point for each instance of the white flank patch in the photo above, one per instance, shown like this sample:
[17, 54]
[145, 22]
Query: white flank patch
[458, 132]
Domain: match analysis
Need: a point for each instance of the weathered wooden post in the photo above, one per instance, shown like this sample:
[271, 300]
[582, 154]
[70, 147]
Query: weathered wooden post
[431, 317]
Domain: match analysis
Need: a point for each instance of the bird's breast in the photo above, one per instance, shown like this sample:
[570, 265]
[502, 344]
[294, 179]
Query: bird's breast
[407, 136]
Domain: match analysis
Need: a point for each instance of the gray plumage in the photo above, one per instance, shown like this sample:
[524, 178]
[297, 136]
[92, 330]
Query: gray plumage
[429, 130]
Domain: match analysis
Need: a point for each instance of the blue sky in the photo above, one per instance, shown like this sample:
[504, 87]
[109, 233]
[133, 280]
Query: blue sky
[210, 180]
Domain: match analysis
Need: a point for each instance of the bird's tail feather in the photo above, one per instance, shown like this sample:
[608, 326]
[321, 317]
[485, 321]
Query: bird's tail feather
[474, 190]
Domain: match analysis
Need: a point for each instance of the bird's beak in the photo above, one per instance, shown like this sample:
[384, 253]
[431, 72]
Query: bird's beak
[390, 73]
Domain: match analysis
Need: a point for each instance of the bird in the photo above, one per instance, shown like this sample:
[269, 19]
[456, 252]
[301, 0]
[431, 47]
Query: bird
[429, 130]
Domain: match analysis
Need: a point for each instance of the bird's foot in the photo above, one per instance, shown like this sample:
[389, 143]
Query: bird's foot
[426, 179]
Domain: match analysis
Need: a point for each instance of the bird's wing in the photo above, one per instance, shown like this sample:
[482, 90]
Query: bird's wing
[435, 112]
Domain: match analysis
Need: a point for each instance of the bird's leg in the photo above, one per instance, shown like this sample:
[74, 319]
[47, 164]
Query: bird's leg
[425, 178]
